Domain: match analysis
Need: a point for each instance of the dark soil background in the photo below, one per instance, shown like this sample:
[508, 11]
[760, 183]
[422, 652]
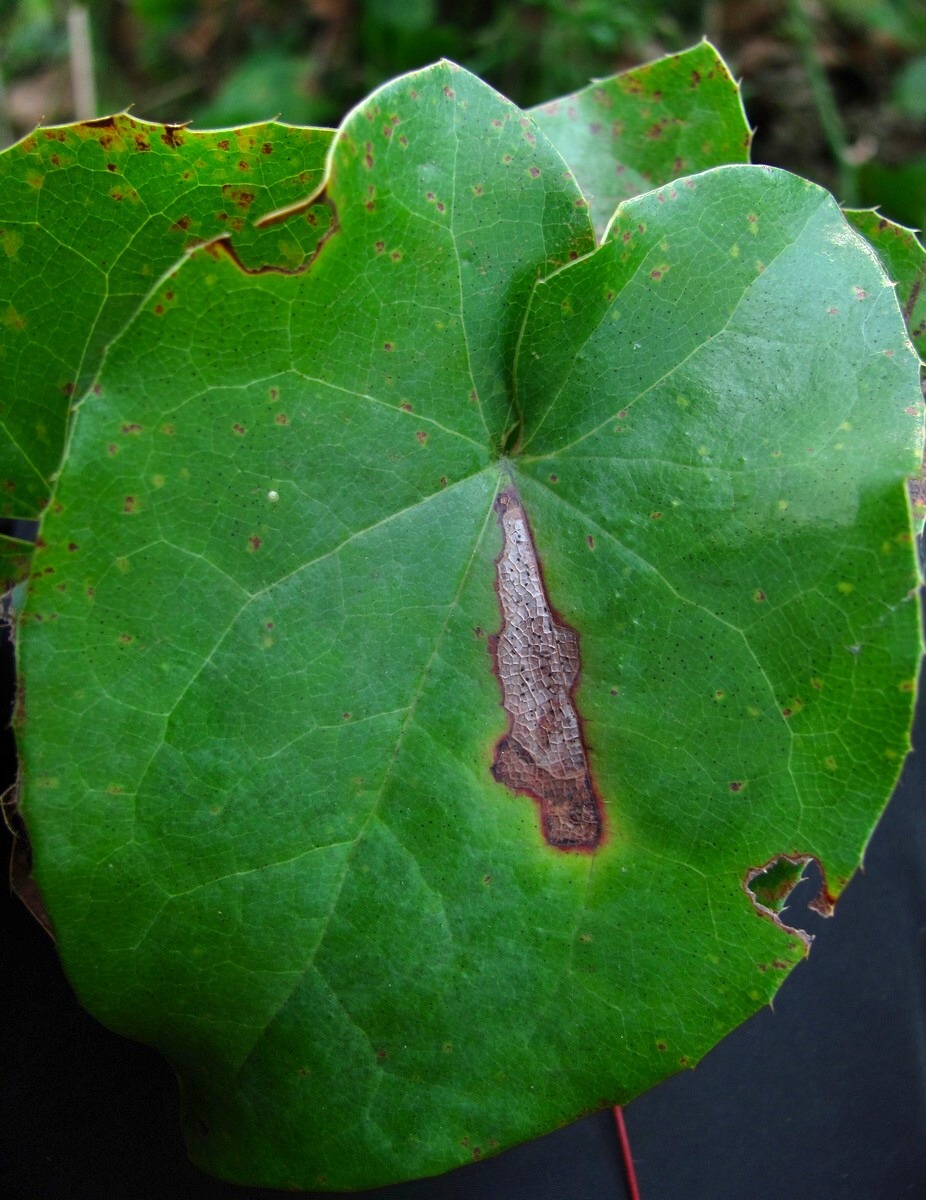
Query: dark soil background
[823, 1095]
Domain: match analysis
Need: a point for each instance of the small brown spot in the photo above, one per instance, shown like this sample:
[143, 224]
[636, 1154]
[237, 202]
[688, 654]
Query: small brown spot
[266, 148]
[172, 136]
[443, 481]
[129, 504]
[379, 247]
[345, 716]
[281, 419]
[421, 436]
[126, 637]
[72, 546]
[131, 427]
[396, 255]
[736, 785]
[534, 172]
[254, 542]
[759, 596]
[661, 1046]
[448, 91]
[591, 542]
[223, 144]
[655, 516]
[787, 712]
[181, 225]
[111, 167]
[388, 346]
[243, 166]
[554, 478]
[405, 406]
[239, 429]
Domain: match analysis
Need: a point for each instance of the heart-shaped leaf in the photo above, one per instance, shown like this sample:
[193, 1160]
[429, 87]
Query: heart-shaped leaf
[91, 215]
[904, 259]
[643, 128]
[441, 662]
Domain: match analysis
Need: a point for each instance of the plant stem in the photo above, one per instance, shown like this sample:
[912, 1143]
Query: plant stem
[633, 1189]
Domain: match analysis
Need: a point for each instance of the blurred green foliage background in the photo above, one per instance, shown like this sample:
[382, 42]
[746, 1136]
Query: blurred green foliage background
[836, 88]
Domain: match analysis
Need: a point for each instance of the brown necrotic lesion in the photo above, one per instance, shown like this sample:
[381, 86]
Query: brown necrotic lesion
[537, 660]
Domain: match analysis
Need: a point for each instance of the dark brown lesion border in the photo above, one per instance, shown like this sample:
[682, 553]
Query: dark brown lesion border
[536, 655]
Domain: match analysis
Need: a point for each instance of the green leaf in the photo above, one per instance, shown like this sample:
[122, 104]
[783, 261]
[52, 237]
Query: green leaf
[904, 259]
[640, 129]
[90, 216]
[313, 531]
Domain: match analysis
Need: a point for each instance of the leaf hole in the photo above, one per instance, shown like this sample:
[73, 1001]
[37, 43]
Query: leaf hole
[790, 882]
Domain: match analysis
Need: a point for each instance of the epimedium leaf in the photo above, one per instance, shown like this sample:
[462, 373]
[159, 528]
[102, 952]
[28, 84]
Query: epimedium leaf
[642, 128]
[705, 393]
[904, 259]
[277, 453]
[300, 637]
[90, 216]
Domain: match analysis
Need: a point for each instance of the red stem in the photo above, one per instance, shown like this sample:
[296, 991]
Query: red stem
[632, 1187]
